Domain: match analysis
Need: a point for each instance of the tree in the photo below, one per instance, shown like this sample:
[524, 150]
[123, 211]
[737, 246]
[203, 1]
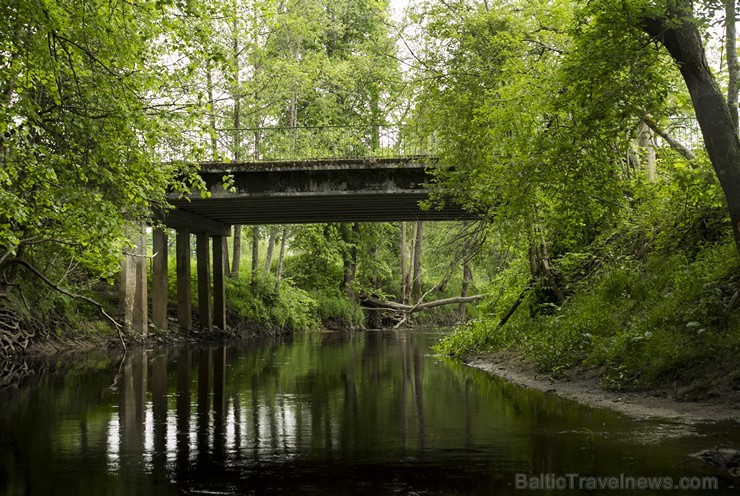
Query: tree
[674, 25]
[404, 265]
[83, 127]
[255, 252]
[272, 237]
[492, 92]
[281, 257]
[416, 283]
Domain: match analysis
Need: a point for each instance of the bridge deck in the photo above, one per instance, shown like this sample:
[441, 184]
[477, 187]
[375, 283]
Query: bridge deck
[365, 190]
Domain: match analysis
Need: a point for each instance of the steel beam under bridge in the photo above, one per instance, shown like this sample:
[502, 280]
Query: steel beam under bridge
[348, 190]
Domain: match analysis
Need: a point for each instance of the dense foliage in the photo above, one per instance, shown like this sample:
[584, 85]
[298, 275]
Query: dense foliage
[625, 259]
[593, 138]
[652, 300]
[80, 132]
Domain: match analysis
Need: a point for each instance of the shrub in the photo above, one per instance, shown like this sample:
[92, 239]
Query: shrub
[258, 303]
[336, 310]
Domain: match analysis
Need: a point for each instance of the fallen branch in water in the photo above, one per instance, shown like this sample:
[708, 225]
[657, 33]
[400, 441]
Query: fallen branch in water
[370, 303]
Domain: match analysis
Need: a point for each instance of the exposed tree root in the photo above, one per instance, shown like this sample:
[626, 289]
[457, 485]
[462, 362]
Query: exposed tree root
[63, 291]
[15, 333]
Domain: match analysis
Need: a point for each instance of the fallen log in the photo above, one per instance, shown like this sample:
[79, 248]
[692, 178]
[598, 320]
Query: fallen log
[370, 303]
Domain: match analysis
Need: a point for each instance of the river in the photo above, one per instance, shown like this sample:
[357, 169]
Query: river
[369, 412]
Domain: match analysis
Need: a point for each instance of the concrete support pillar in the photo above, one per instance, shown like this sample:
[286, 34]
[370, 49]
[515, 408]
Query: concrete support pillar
[184, 293]
[159, 279]
[133, 287]
[141, 301]
[219, 281]
[127, 290]
[204, 280]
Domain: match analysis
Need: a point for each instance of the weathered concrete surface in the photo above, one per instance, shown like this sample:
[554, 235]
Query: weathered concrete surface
[204, 280]
[310, 192]
[219, 281]
[184, 292]
[159, 279]
[133, 287]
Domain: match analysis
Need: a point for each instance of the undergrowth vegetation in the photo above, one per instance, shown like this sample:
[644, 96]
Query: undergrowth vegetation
[336, 310]
[259, 304]
[651, 301]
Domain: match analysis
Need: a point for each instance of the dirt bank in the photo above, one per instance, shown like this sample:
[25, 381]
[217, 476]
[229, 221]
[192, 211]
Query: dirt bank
[33, 361]
[585, 387]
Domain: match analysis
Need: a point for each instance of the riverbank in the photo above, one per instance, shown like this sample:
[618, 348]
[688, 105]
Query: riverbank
[584, 386]
[56, 347]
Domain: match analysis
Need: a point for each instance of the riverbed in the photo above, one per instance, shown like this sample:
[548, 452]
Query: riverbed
[370, 412]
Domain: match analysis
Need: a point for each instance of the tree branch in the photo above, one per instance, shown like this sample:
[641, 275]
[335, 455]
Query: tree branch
[672, 142]
[370, 303]
[99, 305]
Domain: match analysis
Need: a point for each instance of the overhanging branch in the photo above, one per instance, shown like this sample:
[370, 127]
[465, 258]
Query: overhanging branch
[672, 142]
[63, 291]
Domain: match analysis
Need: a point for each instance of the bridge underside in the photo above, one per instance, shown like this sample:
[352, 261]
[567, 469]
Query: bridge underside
[304, 209]
[312, 192]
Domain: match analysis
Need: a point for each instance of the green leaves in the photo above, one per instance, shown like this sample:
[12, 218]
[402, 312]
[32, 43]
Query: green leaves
[79, 150]
[534, 107]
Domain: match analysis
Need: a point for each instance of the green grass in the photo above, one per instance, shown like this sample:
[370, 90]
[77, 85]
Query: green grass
[641, 317]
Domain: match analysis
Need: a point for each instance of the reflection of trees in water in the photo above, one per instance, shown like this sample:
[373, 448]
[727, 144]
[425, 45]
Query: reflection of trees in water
[369, 399]
[262, 404]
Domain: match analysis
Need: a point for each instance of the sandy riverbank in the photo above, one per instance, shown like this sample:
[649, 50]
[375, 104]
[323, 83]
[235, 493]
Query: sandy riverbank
[585, 387]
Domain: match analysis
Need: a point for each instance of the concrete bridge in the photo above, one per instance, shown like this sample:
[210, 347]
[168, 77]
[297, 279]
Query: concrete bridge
[383, 186]
[315, 191]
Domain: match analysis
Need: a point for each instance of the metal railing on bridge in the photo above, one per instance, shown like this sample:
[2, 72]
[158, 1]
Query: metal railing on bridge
[300, 144]
[308, 143]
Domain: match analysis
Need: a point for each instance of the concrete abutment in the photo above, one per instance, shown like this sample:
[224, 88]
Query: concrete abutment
[211, 281]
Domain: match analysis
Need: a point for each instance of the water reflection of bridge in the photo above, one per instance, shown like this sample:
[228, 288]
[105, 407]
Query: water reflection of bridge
[360, 413]
[185, 411]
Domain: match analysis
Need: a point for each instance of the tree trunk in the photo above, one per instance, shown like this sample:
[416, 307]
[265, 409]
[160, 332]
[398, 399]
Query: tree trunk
[467, 278]
[350, 258]
[733, 68]
[255, 252]
[548, 291]
[374, 317]
[212, 112]
[410, 269]
[281, 257]
[680, 35]
[645, 142]
[236, 92]
[404, 266]
[270, 249]
[236, 261]
[416, 286]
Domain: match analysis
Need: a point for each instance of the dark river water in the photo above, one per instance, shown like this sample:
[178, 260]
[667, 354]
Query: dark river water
[328, 413]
